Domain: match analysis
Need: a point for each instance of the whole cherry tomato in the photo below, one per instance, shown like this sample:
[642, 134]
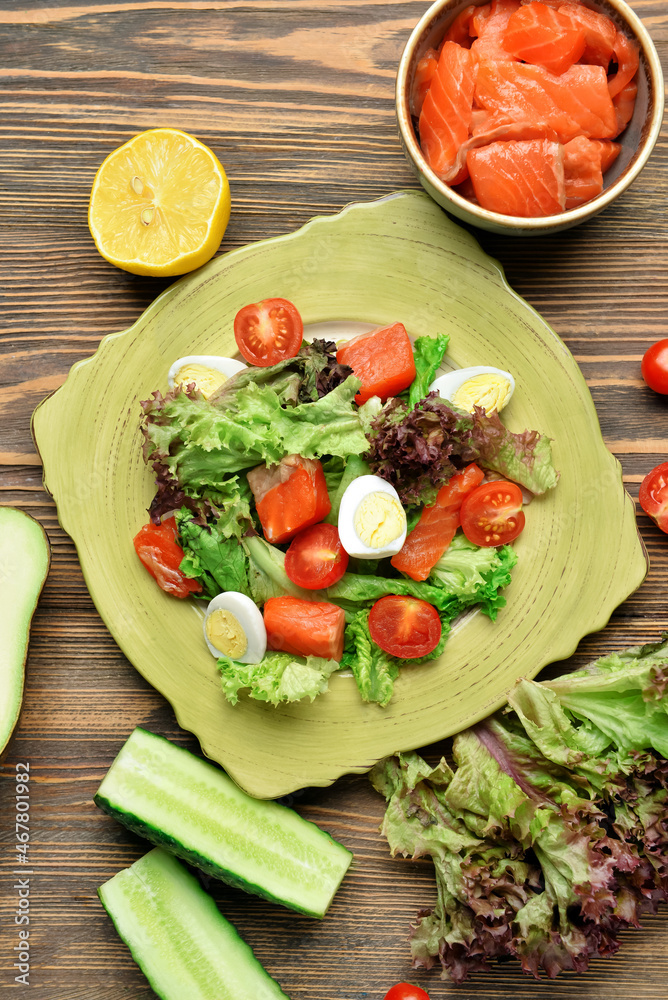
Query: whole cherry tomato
[654, 367]
[406, 991]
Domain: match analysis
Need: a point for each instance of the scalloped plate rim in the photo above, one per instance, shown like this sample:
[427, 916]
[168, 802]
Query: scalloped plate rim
[495, 271]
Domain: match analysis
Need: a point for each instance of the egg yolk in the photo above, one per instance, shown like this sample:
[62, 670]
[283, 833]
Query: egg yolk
[225, 632]
[379, 519]
[206, 379]
[490, 391]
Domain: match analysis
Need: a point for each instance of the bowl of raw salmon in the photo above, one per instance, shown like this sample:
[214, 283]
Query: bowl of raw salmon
[528, 116]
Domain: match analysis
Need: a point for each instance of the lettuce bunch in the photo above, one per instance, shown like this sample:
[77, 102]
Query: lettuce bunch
[550, 834]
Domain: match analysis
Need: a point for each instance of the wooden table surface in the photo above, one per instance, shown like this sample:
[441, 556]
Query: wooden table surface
[296, 98]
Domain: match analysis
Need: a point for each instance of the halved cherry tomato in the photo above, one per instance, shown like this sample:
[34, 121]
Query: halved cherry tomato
[404, 626]
[316, 558]
[304, 628]
[382, 359]
[156, 546]
[654, 367]
[430, 537]
[492, 514]
[268, 332]
[654, 495]
[289, 496]
[406, 991]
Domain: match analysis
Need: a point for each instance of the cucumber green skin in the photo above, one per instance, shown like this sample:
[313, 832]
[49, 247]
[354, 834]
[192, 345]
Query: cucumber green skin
[161, 839]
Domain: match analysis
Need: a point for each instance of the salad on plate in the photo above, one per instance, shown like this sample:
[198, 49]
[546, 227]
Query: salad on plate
[336, 506]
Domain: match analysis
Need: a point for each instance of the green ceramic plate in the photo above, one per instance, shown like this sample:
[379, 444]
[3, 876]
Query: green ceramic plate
[399, 258]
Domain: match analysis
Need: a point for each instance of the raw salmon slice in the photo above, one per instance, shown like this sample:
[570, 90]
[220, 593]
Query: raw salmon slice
[445, 118]
[626, 53]
[538, 34]
[424, 74]
[577, 102]
[478, 20]
[599, 32]
[583, 176]
[625, 102]
[427, 542]
[460, 29]
[585, 162]
[519, 178]
[515, 131]
[432, 535]
[609, 152]
[491, 31]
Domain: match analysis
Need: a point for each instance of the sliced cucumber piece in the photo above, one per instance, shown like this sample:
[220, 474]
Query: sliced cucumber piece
[191, 807]
[179, 938]
[24, 565]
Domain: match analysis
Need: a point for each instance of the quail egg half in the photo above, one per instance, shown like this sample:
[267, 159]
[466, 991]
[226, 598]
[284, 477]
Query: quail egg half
[207, 371]
[465, 388]
[372, 522]
[234, 627]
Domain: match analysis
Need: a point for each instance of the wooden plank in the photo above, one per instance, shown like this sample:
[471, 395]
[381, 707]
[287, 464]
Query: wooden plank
[296, 98]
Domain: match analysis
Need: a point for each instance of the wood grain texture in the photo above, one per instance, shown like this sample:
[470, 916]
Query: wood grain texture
[296, 98]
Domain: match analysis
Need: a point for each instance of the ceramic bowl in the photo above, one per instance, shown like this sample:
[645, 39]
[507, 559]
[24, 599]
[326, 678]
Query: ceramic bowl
[637, 140]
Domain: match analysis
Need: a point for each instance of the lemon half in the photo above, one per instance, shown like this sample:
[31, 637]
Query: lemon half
[160, 204]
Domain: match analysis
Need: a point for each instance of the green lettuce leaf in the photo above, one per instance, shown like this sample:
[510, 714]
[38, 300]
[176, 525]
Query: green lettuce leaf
[428, 354]
[524, 458]
[213, 555]
[368, 412]
[474, 575]
[279, 677]
[332, 468]
[199, 443]
[353, 468]
[374, 670]
[363, 590]
[621, 696]
[312, 373]
[481, 883]
[229, 500]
